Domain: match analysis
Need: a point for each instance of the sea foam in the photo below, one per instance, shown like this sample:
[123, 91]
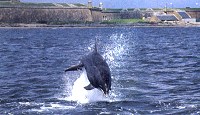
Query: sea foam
[79, 94]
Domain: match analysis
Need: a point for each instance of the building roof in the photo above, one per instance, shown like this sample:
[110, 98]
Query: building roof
[183, 15]
[167, 17]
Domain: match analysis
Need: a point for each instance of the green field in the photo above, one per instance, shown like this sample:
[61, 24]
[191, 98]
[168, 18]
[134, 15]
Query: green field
[123, 21]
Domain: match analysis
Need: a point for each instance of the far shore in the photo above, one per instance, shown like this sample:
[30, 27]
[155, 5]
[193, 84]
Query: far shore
[22, 25]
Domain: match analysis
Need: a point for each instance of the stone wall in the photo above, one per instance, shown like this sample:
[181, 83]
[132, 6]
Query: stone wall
[194, 14]
[111, 15]
[122, 15]
[44, 15]
[97, 15]
[131, 15]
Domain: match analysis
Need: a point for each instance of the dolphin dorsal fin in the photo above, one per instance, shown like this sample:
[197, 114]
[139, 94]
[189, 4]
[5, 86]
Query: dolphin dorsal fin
[95, 45]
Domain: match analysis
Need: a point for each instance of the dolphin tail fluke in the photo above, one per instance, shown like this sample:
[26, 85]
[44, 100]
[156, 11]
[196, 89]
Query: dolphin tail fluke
[89, 87]
[74, 68]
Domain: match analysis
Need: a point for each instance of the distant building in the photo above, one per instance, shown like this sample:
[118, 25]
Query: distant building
[194, 13]
[184, 17]
[183, 14]
[167, 17]
[89, 3]
[101, 5]
[164, 18]
[173, 17]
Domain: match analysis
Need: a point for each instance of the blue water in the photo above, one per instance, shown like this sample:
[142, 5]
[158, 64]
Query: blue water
[155, 70]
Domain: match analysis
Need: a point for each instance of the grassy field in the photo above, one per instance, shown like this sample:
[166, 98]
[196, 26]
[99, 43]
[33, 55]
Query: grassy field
[198, 9]
[123, 21]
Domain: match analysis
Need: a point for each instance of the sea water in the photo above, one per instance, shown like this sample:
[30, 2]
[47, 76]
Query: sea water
[155, 70]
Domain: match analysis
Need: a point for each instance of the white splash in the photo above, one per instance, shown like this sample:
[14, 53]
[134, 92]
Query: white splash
[116, 49]
[81, 95]
[52, 106]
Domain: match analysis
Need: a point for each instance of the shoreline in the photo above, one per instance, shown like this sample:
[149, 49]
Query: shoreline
[22, 25]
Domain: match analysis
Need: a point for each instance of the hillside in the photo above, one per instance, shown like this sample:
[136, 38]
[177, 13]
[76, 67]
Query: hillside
[4, 3]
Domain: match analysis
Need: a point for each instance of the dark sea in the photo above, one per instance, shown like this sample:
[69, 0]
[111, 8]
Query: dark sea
[155, 70]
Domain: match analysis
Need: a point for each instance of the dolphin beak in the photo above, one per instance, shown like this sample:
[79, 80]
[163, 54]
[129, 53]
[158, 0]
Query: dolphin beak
[106, 92]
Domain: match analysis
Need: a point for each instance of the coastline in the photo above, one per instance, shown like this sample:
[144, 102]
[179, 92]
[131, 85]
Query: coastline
[96, 25]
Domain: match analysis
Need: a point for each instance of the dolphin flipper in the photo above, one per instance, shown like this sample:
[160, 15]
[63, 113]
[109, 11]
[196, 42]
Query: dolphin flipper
[89, 87]
[75, 67]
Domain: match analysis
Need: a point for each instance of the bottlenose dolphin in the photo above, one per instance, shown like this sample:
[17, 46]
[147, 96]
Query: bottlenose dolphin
[98, 71]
